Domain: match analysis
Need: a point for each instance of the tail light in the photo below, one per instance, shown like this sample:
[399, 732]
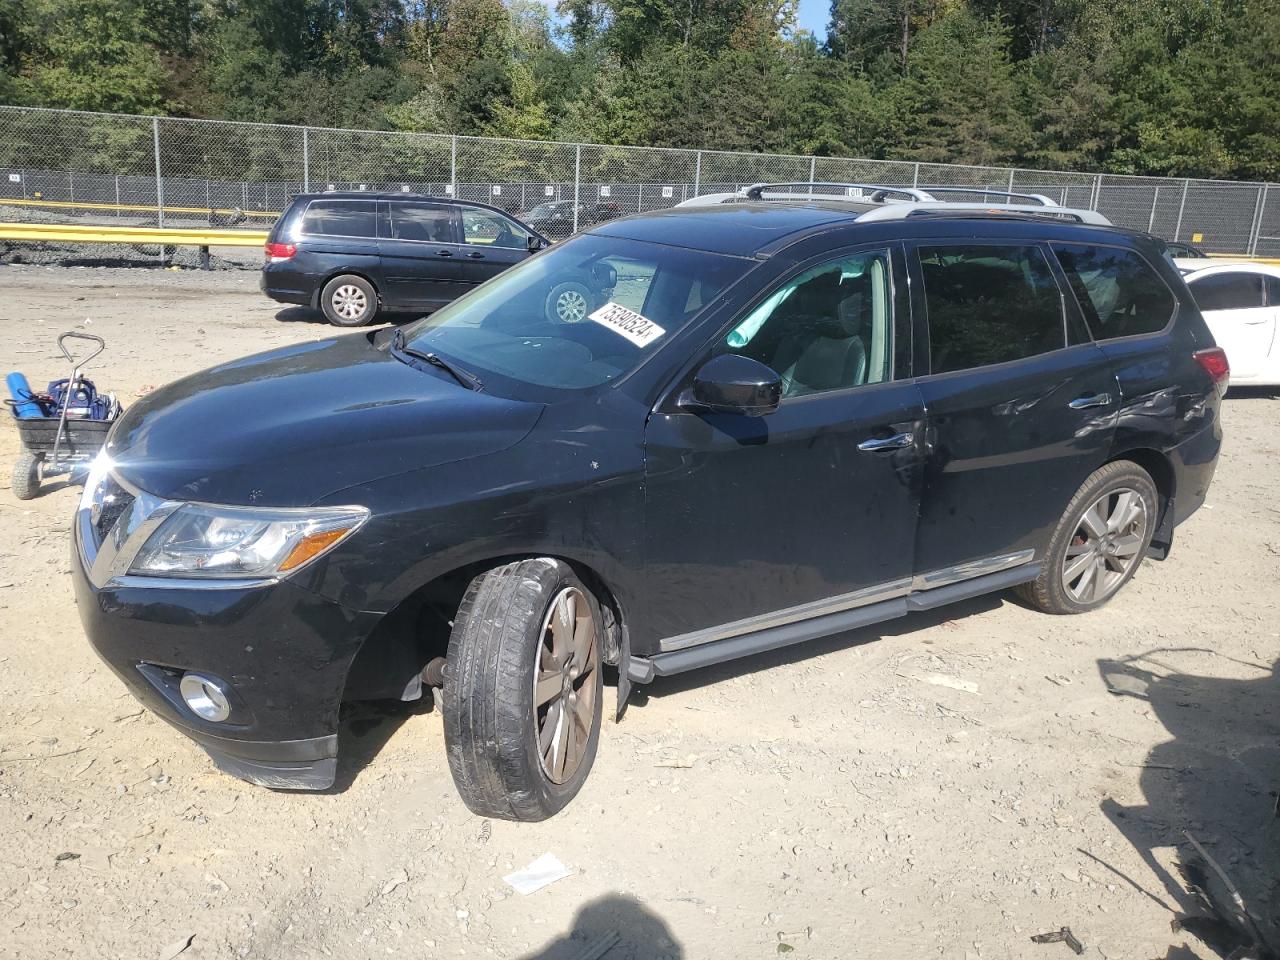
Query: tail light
[280, 251]
[1214, 361]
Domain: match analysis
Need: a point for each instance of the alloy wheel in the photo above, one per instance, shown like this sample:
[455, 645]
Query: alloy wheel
[1106, 546]
[349, 302]
[564, 688]
[571, 306]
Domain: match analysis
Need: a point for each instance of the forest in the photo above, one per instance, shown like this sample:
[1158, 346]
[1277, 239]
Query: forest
[1166, 87]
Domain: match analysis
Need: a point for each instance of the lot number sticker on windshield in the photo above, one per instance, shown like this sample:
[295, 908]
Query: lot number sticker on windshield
[638, 329]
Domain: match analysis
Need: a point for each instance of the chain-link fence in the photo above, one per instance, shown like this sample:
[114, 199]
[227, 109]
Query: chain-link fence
[57, 165]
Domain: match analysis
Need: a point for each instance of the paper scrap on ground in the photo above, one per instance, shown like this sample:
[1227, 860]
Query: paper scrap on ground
[942, 680]
[547, 869]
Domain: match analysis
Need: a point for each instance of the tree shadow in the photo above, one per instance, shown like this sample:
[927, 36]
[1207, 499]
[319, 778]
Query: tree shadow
[614, 927]
[1215, 780]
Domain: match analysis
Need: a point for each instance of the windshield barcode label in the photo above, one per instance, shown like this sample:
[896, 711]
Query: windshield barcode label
[638, 329]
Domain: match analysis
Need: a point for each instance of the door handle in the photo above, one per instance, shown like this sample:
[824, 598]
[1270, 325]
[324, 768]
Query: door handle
[444, 253]
[476, 255]
[896, 442]
[1084, 403]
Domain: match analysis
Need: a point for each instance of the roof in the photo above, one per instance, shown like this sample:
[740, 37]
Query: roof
[737, 229]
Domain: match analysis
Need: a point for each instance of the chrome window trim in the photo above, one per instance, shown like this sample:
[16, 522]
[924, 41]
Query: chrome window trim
[891, 590]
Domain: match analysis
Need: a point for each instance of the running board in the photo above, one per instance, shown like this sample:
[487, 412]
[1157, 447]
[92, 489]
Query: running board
[644, 669]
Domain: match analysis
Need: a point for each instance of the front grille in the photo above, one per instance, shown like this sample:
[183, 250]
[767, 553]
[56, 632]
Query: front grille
[114, 500]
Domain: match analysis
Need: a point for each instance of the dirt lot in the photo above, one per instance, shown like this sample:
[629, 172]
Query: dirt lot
[834, 800]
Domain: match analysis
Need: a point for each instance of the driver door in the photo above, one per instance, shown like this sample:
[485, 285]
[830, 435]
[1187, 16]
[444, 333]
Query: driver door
[757, 521]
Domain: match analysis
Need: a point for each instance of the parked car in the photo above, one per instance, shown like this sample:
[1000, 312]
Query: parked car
[788, 420]
[1180, 250]
[554, 218]
[355, 255]
[1240, 301]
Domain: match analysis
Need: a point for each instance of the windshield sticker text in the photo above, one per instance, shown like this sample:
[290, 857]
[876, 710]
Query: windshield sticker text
[638, 329]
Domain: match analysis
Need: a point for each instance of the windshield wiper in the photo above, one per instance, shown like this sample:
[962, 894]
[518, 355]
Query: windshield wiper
[461, 374]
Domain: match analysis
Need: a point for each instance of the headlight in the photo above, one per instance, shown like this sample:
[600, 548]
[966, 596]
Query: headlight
[199, 540]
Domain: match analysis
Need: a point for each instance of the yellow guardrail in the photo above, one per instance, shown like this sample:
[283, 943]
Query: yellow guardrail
[1243, 256]
[97, 233]
[133, 208]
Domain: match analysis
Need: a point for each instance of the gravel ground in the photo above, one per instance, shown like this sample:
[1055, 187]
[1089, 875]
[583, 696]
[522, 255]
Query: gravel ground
[945, 785]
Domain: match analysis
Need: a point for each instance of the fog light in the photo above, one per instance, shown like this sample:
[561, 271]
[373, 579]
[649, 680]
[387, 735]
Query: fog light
[205, 697]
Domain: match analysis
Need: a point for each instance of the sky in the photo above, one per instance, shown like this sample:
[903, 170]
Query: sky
[813, 16]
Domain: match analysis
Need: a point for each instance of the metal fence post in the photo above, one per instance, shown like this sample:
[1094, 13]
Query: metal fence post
[577, 182]
[915, 176]
[1151, 221]
[1182, 205]
[813, 171]
[1011, 171]
[697, 174]
[155, 137]
[306, 160]
[117, 196]
[1097, 191]
[1257, 231]
[453, 165]
[1255, 227]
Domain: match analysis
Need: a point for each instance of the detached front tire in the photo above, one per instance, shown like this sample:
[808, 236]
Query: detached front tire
[523, 690]
[1100, 541]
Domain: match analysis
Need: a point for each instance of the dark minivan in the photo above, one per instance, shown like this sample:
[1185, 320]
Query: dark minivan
[785, 419]
[353, 255]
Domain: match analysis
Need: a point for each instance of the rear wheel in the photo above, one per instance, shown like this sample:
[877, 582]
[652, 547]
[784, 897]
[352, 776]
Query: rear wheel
[349, 301]
[26, 476]
[568, 302]
[523, 690]
[1099, 542]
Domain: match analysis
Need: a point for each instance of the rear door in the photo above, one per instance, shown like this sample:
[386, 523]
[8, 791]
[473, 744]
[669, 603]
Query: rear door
[1234, 306]
[422, 258]
[1021, 405]
[491, 243]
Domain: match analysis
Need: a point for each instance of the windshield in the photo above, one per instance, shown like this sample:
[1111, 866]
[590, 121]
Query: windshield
[578, 316]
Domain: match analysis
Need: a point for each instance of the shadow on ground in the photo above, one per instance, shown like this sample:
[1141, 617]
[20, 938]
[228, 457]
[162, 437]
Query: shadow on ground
[365, 727]
[616, 927]
[1217, 780]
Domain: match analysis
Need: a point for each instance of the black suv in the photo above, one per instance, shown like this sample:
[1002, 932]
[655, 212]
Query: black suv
[784, 420]
[354, 254]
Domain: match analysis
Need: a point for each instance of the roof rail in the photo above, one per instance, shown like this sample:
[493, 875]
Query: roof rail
[1009, 195]
[878, 191]
[900, 211]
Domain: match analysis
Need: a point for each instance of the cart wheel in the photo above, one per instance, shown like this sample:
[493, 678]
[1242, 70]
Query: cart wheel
[26, 476]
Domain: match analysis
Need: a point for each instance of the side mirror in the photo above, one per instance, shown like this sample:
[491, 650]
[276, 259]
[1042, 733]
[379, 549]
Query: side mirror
[533, 244]
[734, 384]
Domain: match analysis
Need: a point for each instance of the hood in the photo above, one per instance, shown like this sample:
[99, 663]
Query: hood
[288, 427]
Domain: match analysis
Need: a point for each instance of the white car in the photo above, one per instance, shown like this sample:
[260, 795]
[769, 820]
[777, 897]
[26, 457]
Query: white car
[1240, 301]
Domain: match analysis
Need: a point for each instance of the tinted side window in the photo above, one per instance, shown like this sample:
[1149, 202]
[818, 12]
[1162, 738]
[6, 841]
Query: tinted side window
[1119, 292]
[1273, 291]
[417, 221]
[488, 229]
[1228, 291]
[989, 304]
[341, 218]
[827, 329]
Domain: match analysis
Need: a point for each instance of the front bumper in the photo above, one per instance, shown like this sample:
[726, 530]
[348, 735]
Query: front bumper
[282, 651]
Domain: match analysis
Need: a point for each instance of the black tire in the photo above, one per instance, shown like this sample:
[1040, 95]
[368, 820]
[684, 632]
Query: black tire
[1049, 592]
[349, 301]
[569, 302]
[26, 476]
[491, 723]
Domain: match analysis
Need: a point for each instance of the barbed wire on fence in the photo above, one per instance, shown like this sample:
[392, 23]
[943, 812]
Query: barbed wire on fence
[160, 170]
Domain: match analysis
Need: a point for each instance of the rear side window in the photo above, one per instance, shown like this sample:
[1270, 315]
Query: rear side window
[1228, 291]
[418, 221]
[989, 304]
[341, 218]
[1273, 291]
[1120, 293]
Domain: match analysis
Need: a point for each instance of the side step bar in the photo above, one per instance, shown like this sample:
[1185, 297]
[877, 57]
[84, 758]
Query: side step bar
[644, 669]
